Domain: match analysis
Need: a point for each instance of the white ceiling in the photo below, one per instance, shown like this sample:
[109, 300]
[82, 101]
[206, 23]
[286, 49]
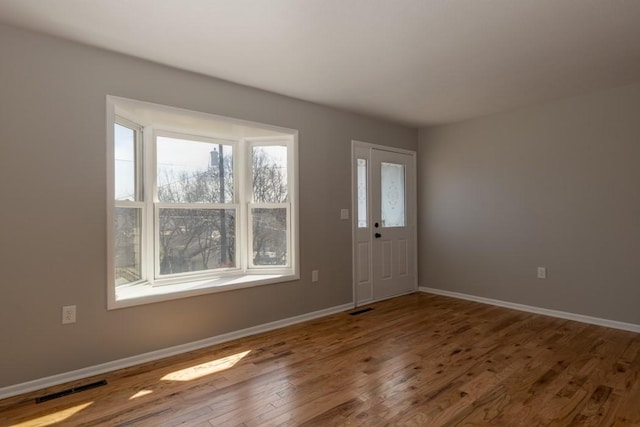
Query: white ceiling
[417, 62]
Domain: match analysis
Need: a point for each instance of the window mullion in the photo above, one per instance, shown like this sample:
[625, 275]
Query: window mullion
[128, 204]
[149, 193]
[243, 195]
[170, 205]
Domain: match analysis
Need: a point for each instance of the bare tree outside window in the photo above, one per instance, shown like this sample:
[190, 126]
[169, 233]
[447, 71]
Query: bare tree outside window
[191, 239]
[127, 245]
[269, 174]
[269, 236]
[203, 238]
[269, 224]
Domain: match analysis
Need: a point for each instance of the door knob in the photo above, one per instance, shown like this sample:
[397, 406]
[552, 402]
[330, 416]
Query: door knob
[378, 235]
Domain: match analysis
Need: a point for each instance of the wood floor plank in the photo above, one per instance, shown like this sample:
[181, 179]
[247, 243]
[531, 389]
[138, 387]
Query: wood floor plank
[418, 359]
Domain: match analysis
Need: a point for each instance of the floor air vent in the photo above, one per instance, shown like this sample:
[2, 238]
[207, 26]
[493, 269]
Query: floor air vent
[364, 310]
[70, 391]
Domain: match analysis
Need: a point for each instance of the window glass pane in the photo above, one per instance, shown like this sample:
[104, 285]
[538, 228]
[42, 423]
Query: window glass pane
[269, 164]
[362, 193]
[125, 163]
[392, 195]
[194, 171]
[269, 236]
[128, 242]
[196, 239]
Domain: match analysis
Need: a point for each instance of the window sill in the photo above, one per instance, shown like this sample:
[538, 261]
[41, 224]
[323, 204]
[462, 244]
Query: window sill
[146, 293]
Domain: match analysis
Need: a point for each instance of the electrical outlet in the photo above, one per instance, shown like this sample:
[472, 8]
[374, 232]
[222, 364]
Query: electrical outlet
[314, 276]
[344, 213]
[68, 314]
[542, 273]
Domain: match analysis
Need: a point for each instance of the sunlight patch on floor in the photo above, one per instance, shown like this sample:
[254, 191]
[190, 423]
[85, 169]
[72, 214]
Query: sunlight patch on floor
[55, 417]
[140, 394]
[208, 368]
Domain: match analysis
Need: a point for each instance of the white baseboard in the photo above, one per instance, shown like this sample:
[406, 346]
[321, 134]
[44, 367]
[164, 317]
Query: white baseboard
[537, 310]
[14, 390]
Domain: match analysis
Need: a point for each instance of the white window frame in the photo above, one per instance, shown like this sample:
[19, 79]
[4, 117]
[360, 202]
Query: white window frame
[140, 191]
[156, 205]
[267, 142]
[154, 287]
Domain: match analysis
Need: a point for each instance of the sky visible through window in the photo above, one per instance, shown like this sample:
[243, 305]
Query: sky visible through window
[174, 157]
[185, 168]
[125, 181]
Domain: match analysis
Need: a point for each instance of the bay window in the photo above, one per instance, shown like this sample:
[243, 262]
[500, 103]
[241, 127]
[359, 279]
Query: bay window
[197, 203]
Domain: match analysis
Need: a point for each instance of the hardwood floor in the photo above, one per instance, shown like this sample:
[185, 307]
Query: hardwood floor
[420, 359]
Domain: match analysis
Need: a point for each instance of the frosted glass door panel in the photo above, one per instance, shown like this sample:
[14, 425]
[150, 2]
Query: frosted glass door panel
[362, 193]
[392, 195]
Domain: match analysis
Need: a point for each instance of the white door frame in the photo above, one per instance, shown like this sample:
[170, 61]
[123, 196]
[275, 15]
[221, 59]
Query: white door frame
[354, 209]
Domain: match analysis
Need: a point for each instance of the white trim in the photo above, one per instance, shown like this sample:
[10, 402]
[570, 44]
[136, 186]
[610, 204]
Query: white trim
[140, 293]
[367, 145]
[110, 203]
[197, 114]
[41, 383]
[537, 310]
[373, 301]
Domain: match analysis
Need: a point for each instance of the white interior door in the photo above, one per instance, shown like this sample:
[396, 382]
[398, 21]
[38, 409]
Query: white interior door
[385, 225]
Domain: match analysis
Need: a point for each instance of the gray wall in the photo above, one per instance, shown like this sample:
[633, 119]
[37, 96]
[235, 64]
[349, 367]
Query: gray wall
[557, 185]
[53, 191]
